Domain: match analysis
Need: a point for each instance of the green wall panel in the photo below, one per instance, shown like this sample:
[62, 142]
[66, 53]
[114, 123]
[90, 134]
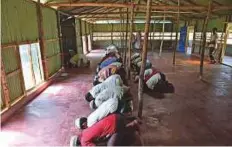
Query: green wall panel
[78, 35]
[18, 21]
[117, 27]
[83, 31]
[9, 59]
[54, 64]
[49, 23]
[15, 88]
[218, 23]
[87, 28]
[2, 100]
[52, 48]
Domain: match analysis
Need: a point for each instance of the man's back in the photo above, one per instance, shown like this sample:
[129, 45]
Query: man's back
[103, 128]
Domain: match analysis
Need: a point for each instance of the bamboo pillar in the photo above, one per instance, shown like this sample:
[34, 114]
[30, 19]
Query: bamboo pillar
[127, 22]
[204, 38]
[177, 31]
[144, 58]
[130, 41]
[86, 37]
[153, 37]
[60, 38]
[224, 42]
[121, 33]
[200, 48]
[4, 85]
[162, 41]
[172, 34]
[194, 37]
[223, 39]
[112, 29]
[41, 40]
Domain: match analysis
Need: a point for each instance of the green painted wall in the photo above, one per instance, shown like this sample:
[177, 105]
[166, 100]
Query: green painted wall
[117, 27]
[78, 35]
[18, 24]
[52, 48]
[3, 105]
[83, 28]
[18, 21]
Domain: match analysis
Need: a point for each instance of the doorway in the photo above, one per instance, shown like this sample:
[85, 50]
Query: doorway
[227, 47]
[31, 65]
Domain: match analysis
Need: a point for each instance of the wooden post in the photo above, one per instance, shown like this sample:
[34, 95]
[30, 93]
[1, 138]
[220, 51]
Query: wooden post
[162, 41]
[153, 37]
[127, 22]
[121, 33]
[224, 41]
[60, 38]
[177, 32]
[130, 42]
[172, 34]
[194, 37]
[200, 48]
[224, 32]
[112, 29]
[41, 40]
[204, 38]
[5, 87]
[86, 37]
[144, 58]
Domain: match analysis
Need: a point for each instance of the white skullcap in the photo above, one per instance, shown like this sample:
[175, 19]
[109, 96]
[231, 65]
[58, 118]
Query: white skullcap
[91, 105]
[78, 123]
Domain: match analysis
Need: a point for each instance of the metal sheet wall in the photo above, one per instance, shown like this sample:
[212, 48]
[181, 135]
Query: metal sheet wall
[19, 21]
[11, 64]
[78, 35]
[19, 25]
[117, 27]
[9, 58]
[54, 64]
[52, 47]
[3, 105]
[15, 87]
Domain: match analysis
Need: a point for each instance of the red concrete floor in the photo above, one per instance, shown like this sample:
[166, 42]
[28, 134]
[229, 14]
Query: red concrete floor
[199, 113]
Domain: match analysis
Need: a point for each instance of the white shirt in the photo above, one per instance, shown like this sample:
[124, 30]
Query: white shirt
[153, 81]
[106, 108]
[111, 92]
[113, 80]
[214, 37]
[135, 55]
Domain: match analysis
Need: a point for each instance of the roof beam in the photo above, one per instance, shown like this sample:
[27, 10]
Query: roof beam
[124, 12]
[124, 5]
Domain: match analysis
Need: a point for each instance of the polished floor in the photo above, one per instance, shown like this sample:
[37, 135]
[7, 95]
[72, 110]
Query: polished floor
[227, 60]
[198, 113]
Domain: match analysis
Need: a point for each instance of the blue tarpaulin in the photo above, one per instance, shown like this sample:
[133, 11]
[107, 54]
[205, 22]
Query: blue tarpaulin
[182, 41]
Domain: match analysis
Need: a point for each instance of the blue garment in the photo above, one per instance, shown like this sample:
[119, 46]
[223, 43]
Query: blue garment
[108, 61]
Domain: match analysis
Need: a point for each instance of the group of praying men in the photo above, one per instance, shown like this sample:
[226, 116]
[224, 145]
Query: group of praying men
[111, 123]
[154, 80]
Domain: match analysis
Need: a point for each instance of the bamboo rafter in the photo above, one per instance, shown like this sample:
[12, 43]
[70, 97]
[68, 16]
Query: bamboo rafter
[127, 5]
